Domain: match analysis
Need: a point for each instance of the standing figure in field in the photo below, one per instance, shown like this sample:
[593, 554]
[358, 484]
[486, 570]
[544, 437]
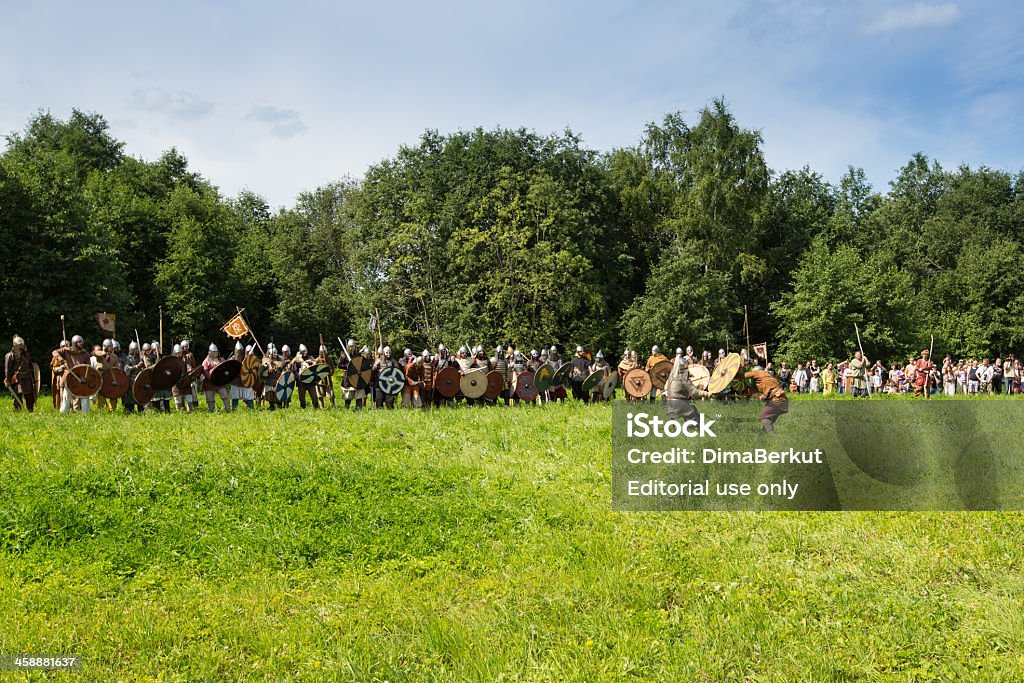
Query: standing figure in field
[858, 373]
[580, 366]
[501, 364]
[301, 362]
[774, 396]
[184, 392]
[656, 357]
[605, 367]
[238, 391]
[210, 363]
[103, 359]
[71, 356]
[923, 374]
[412, 392]
[325, 389]
[348, 394]
[19, 376]
[556, 392]
[385, 361]
[272, 368]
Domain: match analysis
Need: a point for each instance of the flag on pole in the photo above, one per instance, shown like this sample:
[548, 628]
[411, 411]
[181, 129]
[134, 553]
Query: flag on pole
[373, 322]
[106, 321]
[236, 327]
[761, 350]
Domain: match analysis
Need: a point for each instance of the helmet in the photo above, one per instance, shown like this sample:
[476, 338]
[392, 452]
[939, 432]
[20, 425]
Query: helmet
[303, 349]
[499, 349]
[387, 350]
[155, 346]
[365, 349]
[655, 349]
[519, 355]
[271, 348]
[721, 352]
[286, 349]
[64, 343]
[426, 352]
[554, 349]
[579, 349]
[679, 350]
[77, 339]
[406, 352]
[463, 349]
[689, 350]
[18, 341]
[117, 345]
[133, 347]
[600, 354]
[146, 347]
[177, 349]
[533, 353]
[323, 348]
[108, 344]
[214, 349]
[543, 353]
[184, 344]
[441, 347]
[683, 361]
[351, 343]
[238, 346]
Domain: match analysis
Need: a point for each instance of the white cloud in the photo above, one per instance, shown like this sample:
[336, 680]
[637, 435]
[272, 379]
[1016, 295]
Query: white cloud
[285, 123]
[173, 104]
[918, 15]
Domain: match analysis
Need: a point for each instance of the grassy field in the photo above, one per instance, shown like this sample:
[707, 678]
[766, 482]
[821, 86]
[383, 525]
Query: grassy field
[462, 545]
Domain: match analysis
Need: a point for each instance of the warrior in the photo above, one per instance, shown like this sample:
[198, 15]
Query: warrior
[132, 365]
[184, 392]
[19, 376]
[501, 365]
[187, 354]
[774, 396]
[237, 390]
[656, 357]
[325, 388]
[101, 360]
[383, 362]
[600, 364]
[705, 360]
[519, 365]
[627, 364]
[580, 365]
[690, 358]
[679, 391]
[858, 367]
[555, 392]
[271, 369]
[70, 357]
[412, 390]
[162, 398]
[923, 374]
[463, 363]
[56, 362]
[348, 393]
[210, 363]
[302, 362]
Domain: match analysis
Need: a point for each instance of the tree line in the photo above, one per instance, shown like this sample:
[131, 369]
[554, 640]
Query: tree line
[510, 236]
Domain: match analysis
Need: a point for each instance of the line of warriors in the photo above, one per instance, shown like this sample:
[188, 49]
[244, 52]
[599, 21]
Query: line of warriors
[423, 380]
[410, 380]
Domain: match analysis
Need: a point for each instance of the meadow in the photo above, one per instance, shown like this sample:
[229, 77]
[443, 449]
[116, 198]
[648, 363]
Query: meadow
[462, 545]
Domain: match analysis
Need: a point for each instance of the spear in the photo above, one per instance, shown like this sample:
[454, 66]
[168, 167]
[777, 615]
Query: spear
[928, 377]
[862, 356]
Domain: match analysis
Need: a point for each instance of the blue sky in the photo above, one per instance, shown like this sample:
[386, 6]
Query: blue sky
[280, 98]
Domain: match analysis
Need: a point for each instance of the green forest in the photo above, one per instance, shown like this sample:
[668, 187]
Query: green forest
[512, 236]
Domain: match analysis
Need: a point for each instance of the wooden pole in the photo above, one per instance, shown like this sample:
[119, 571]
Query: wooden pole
[161, 354]
[63, 332]
[251, 333]
[746, 328]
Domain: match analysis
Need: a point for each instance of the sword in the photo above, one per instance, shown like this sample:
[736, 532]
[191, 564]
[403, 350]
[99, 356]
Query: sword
[17, 398]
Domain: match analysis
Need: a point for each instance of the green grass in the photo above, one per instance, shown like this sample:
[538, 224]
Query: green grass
[462, 545]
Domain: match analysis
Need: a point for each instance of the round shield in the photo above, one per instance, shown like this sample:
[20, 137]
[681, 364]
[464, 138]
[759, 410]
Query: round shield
[592, 380]
[226, 372]
[142, 387]
[542, 380]
[526, 386]
[724, 373]
[699, 376]
[608, 388]
[447, 382]
[84, 381]
[637, 383]
[314, 374]
[285, 386]
[189, 377]
[167, 371]
[474, 383]
[115, 383]
[358, 373]
[660, 373]
[561, 375]
[495, 383]
[250, 373]
[391, 380]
